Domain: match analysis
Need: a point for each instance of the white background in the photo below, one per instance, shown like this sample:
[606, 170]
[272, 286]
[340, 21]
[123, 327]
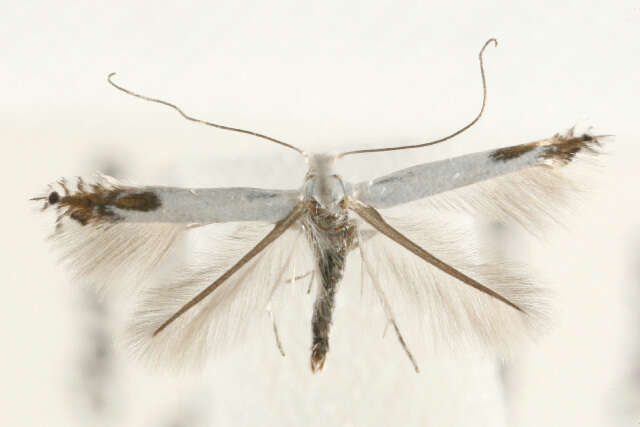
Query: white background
[323, 76]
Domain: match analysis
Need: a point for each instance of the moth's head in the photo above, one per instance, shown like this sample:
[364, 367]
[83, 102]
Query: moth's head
[321, 164]
[321, 183]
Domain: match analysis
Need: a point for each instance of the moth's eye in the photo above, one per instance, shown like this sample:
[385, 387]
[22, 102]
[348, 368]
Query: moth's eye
[54, 198]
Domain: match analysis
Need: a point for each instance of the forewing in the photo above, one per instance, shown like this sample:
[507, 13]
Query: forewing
[109, 232]
[433, 307]
[526, 183]
[240, 304]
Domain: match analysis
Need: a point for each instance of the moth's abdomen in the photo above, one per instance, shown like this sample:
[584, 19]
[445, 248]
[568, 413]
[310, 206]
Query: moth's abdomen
[333, 266]
[331, 236]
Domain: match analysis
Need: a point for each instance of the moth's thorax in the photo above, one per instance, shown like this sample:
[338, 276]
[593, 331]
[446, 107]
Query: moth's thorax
[322, 184]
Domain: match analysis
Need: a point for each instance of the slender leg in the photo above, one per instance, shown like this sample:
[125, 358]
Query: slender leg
[275, 326]
[296, 278]
[276, 334]
[389, 313]
[313, 275]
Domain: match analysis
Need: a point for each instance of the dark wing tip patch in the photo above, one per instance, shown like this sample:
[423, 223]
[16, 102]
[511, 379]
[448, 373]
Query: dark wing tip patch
[558, 150]
[54, 198]
[144, 201]
[95, 203]
[509, 153]
[562, 149]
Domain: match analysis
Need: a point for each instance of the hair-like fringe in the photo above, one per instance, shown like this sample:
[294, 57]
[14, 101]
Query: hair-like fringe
[533, 197]
[103, 252]
[224, 316]
[434, 309]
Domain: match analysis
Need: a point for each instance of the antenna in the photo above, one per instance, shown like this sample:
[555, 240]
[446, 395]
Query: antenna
[458, 132]
[193, 119]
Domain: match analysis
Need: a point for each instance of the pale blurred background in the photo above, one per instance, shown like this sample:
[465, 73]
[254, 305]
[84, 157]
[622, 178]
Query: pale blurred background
[323, 76]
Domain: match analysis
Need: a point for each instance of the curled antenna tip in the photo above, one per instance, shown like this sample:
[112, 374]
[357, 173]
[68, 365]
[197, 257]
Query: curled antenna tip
[491, 40]
[110, 75]
[459, 131]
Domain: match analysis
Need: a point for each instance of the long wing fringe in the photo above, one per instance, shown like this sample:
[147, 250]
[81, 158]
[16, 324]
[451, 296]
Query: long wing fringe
[436, 309]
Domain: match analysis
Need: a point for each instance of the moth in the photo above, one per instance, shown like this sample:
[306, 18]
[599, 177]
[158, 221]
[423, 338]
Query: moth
[107, 229]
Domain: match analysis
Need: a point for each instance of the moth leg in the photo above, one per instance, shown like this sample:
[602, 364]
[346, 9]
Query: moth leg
[374, 218]
[363, 236]
[273, 322]
[313, 275]
[404, 344]
[273, 316]
[280, 227]
[389, 313]
[296, 278]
